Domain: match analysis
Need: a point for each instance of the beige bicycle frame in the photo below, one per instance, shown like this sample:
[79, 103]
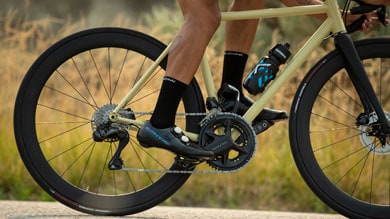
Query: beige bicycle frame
[332, 24]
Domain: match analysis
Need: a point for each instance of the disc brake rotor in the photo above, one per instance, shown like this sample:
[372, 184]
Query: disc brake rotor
[369, 141]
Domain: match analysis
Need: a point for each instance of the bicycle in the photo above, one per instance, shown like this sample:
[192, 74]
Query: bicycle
[76, 132]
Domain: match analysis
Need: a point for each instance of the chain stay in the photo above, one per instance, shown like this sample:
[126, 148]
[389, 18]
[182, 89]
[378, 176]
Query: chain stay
[177, 114]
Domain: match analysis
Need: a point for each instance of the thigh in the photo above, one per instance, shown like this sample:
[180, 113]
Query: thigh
[238, 5]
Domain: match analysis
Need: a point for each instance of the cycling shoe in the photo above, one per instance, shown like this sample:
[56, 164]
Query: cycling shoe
[171, 139]
[228, 103]
[243, 106]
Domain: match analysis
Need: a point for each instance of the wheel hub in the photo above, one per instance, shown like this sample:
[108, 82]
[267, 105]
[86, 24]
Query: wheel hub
[102, 126]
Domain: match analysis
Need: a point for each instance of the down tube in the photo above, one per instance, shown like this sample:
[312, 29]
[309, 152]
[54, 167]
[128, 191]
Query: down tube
[299, 58]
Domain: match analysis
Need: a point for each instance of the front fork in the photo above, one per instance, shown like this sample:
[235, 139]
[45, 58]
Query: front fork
[360, 79]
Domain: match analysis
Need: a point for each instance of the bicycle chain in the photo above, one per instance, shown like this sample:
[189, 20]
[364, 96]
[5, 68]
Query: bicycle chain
[200, 172]
[178, 114]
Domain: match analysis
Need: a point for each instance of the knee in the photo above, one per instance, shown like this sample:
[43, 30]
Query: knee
[207, 23]
[210, 23]
[239, 5]
[204, 18]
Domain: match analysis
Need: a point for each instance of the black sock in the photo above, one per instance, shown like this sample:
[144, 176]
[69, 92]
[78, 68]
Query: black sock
[168, 101]
[233, 68]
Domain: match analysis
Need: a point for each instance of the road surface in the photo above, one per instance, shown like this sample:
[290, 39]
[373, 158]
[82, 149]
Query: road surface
[36, 210]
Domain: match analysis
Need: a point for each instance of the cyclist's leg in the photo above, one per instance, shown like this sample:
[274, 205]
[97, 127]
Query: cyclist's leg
[239, 39]
[201, 19]
[240, 34]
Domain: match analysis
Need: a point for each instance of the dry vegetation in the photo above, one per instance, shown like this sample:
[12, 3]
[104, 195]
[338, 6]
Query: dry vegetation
[270, 182]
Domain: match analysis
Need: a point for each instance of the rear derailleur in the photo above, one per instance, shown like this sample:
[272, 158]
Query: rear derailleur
[107, 131]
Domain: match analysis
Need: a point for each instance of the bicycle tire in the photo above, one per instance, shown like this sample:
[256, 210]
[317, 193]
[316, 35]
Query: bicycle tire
[341, 163]
[52, 122]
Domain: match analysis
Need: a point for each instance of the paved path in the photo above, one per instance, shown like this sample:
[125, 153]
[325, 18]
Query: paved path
[35, 210]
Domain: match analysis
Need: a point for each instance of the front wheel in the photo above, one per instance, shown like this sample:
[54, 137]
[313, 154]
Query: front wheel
[340, 159]
[77, 80]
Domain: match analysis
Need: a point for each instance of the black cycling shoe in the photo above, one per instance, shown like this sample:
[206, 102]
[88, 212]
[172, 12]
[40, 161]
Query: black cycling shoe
[228, 99]
[171, 139]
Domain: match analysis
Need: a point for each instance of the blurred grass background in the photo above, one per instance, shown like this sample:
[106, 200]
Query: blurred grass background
[270, 182]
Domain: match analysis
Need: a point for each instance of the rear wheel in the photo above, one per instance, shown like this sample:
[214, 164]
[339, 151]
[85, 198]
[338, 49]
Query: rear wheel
[69, 83]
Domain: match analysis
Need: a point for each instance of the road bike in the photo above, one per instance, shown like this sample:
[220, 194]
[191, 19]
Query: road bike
[81, 103]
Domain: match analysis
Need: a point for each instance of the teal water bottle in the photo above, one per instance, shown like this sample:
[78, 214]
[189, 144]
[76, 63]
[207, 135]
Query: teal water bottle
[265, 70]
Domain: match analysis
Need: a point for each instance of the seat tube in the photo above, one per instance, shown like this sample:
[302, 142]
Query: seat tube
[207, 77]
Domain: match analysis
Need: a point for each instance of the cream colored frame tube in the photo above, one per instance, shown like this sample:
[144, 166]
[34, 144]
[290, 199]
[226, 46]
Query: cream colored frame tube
[333, 23]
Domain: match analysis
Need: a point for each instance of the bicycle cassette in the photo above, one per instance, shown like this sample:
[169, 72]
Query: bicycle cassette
[231, 138]
[105, 130]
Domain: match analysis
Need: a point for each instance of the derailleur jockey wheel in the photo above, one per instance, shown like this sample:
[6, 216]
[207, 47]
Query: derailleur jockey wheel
[231, 138]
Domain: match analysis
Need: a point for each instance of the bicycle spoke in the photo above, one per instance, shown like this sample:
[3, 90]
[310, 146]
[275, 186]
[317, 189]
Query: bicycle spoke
[103, 168]
[62, 133]
[349, 97]
[64, 112]
[83, 81]
[99, 75]
[358, 177]
[336, 106]
[140, 159]
[120, 73]
[109, 74]
[72, 97]
[70, 149]
[347, 138]
[76, 159]
[139, 71]
[134, 101]
[75, 89]
[86, 166]
[345, 126]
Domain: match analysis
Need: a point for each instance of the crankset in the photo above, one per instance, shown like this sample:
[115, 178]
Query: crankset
[231, 138]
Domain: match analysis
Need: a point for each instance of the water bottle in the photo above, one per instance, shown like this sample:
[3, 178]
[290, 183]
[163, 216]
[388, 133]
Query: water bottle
[265, 70]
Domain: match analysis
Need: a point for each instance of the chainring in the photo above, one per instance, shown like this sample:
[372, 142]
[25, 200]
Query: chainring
[232, 140]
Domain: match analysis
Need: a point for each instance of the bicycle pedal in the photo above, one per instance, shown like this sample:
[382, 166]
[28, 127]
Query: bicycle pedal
[229, 98]
[261, 126]
[187, 162]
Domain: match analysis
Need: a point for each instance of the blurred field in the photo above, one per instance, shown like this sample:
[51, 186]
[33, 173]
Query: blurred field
[270, 182]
